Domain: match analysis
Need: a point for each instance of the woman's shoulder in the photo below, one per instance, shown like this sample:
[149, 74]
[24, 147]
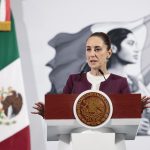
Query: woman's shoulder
[77, 75]
[115, 76]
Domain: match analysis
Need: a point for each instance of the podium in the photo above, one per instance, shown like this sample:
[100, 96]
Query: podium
[60, 119]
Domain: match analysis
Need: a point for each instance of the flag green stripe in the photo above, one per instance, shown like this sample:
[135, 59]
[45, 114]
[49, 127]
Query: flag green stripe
[8, 46]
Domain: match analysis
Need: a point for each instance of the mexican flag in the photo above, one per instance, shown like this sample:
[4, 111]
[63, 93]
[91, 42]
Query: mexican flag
[14, 122]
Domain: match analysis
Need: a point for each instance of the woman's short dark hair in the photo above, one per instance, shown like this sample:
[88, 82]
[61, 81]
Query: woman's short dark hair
[118, 35]
[104, 37]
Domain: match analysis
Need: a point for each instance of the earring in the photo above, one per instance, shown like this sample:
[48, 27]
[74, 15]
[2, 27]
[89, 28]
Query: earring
[107, 58]
[114, 49]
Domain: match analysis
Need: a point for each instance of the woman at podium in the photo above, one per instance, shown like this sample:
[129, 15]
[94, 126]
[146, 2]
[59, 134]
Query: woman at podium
[98, 52]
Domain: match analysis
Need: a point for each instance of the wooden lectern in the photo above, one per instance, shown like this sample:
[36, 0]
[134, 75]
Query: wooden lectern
[60, 119]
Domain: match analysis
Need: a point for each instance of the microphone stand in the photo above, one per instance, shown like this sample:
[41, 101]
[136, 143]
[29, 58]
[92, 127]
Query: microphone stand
[102, 73]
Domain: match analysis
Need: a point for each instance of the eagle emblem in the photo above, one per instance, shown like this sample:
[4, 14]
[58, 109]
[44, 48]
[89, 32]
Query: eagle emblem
[10, 105]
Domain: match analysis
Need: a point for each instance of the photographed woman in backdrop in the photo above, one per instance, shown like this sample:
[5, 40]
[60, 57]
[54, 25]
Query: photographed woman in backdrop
[125, 52]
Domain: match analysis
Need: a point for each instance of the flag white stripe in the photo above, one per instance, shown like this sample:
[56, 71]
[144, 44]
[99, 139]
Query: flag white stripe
[11, 75]
[3, 10]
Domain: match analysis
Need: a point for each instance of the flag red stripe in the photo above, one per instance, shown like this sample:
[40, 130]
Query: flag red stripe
[7, 10]
[19, 141]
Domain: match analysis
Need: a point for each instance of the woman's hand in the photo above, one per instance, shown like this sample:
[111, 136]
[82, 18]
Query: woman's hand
[144, 126]
[145, 101]
[39, 107]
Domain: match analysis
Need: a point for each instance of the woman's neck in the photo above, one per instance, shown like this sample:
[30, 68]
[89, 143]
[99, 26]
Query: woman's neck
[96, 72]
[117, 67]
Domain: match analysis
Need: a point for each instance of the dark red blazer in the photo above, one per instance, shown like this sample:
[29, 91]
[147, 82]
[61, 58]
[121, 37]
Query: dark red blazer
[77, 83]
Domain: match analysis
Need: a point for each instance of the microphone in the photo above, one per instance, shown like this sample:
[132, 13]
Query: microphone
[102, 73]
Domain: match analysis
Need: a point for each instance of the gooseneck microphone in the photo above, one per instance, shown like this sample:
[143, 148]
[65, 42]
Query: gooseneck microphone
[86, 68]
[102, 73]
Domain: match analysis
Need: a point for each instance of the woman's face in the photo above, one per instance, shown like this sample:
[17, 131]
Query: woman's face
[129, 51]
[97, 52]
